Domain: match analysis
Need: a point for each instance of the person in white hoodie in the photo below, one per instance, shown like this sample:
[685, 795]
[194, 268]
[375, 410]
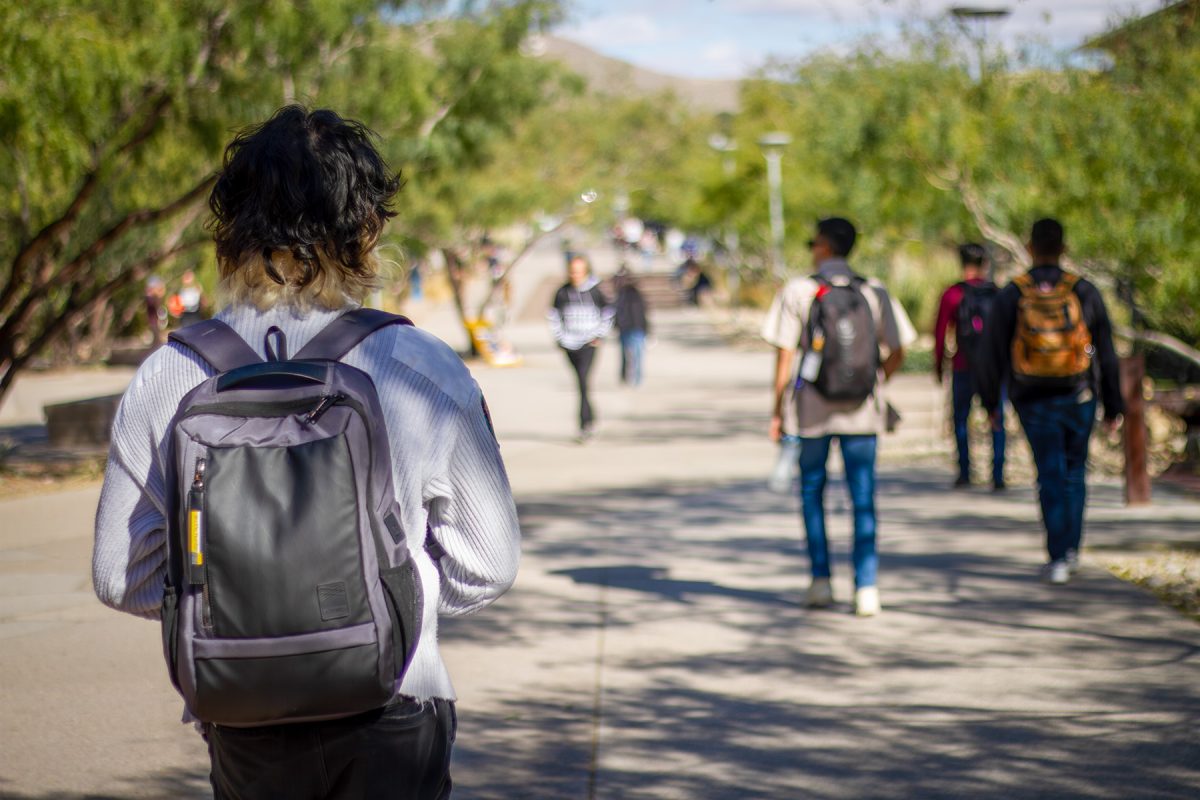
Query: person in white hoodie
[299, 206]
[580, 318]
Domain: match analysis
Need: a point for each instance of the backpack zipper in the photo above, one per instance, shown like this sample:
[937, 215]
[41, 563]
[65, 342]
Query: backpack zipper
[326, 403]
[197, 570]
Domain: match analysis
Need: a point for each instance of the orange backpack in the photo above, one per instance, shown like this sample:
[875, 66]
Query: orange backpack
[1052, 346]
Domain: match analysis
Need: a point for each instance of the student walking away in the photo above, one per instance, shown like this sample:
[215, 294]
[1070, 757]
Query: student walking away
[191, 299]
[1050, 337]
[632, 326]
[580, 318]
[964, 307]
[300, 486]
[851, 334]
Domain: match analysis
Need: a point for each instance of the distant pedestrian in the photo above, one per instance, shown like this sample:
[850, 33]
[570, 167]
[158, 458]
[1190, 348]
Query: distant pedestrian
[632, 325]
[852, 334]
[1050, 337]
[156, 310]
[580, 318]
[964, 307]
[696, 281]
[191, 299]
[289, 568]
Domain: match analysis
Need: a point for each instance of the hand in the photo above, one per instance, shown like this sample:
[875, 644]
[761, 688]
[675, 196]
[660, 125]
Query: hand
[1110, 425]
[776, 427]
[994, 417]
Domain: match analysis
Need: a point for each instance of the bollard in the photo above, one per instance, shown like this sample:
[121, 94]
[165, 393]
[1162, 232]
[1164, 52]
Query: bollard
[1137, 477]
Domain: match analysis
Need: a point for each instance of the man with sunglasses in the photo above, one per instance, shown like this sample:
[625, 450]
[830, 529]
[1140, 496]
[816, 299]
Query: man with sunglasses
[805, 316]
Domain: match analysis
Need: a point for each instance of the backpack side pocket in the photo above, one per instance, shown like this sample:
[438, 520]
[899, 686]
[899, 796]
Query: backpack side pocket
[402, 587]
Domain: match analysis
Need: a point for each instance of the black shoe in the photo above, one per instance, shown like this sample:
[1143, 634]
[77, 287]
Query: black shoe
[963, 482]
[999, 486]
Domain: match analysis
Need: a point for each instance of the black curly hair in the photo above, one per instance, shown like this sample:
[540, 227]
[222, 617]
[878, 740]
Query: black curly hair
[302, 198]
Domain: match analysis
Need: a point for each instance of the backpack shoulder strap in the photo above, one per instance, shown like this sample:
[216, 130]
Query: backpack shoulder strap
[344, 333]
[1068, 280]
[1024, 282]
[216, 343]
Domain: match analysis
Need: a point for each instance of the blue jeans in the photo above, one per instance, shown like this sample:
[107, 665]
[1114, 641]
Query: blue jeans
[633, 349]
[962, 392]
[858, 454]
[1058, 429]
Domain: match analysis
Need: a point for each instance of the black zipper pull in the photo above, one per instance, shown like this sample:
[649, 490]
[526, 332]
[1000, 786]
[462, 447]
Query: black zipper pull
[326, 402]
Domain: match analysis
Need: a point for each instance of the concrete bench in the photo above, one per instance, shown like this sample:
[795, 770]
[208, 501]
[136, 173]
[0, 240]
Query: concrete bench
[81, 423]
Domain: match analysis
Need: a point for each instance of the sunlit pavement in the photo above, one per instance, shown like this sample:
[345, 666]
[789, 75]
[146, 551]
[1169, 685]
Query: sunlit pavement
[654, 645]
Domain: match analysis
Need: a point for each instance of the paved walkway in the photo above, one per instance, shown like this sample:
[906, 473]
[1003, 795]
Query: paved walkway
[654, 646]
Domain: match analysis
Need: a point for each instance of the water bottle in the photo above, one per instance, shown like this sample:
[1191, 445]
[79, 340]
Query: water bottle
[787, 465]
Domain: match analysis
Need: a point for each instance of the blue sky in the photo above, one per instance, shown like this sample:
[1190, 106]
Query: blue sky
[730, 38]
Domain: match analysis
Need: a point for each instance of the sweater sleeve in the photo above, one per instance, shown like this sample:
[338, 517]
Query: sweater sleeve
[129, 557]
[945, 315]
[1106, 353]
[473, 519]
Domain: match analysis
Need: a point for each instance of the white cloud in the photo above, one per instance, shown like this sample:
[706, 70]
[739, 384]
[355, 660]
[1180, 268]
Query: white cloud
[618, 30]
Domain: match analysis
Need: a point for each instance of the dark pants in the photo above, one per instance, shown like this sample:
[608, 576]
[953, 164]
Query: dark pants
[858, 457]
[962, 393]
[1058, 430]
[401, 752]
[581, 361]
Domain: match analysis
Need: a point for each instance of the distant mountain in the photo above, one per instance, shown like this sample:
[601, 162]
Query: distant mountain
[613, 76]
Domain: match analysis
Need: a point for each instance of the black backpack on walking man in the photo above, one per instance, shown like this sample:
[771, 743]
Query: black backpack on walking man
[842, 333]
[971, 318]
[291, 594]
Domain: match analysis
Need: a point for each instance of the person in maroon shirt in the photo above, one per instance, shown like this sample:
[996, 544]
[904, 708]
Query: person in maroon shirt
[963, 307]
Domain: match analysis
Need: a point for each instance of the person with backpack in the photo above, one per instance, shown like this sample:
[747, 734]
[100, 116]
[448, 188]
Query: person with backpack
[964, 307]
[632, 326]
[300, 486]
[1049, 337]
[851, 335]
[580, 318]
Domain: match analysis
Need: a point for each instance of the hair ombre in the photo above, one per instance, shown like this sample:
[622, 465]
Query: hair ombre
[298, 208]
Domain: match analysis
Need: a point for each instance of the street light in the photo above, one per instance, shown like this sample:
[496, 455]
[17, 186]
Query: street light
[772, 145]
[726, 147]
[975, 16]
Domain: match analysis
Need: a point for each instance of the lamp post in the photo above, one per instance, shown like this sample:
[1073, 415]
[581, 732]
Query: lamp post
[772, 145]
[726, 147]
[979, 18]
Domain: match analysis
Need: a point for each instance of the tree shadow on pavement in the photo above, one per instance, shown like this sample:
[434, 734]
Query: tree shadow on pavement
[689, 670]
[173, 783]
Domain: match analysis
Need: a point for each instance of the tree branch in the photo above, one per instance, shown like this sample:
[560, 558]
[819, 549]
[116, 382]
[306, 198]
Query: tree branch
[430, 124]
[974, 205]
[68, 274]
[524, 251]
[1163, 340]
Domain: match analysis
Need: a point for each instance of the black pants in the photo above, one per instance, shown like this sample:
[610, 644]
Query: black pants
[581, 362]
[401, 752]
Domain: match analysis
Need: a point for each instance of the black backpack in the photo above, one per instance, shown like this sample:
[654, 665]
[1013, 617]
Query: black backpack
[842, 328]
[291, 594]
[973, 310]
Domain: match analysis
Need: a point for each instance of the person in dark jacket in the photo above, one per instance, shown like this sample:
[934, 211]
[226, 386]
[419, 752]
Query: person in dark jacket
[962, 381]
[632, 326]
[580, 318]
[1057, 415]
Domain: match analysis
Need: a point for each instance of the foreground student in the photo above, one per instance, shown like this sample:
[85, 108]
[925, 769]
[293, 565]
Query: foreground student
[299, 207]
[1049, 337]
[852, 335]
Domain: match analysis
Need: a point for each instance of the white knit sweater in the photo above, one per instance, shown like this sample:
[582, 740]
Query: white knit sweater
[446, 470]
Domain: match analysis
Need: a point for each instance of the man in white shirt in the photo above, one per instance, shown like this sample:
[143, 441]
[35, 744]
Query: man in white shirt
[803, 316]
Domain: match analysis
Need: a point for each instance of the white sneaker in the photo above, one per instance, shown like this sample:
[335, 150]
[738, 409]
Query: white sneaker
[1056, 572]
[1073, 561]
[820, 594]
[866, 601]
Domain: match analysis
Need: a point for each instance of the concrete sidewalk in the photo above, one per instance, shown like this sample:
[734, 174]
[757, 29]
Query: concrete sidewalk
[654, 647]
